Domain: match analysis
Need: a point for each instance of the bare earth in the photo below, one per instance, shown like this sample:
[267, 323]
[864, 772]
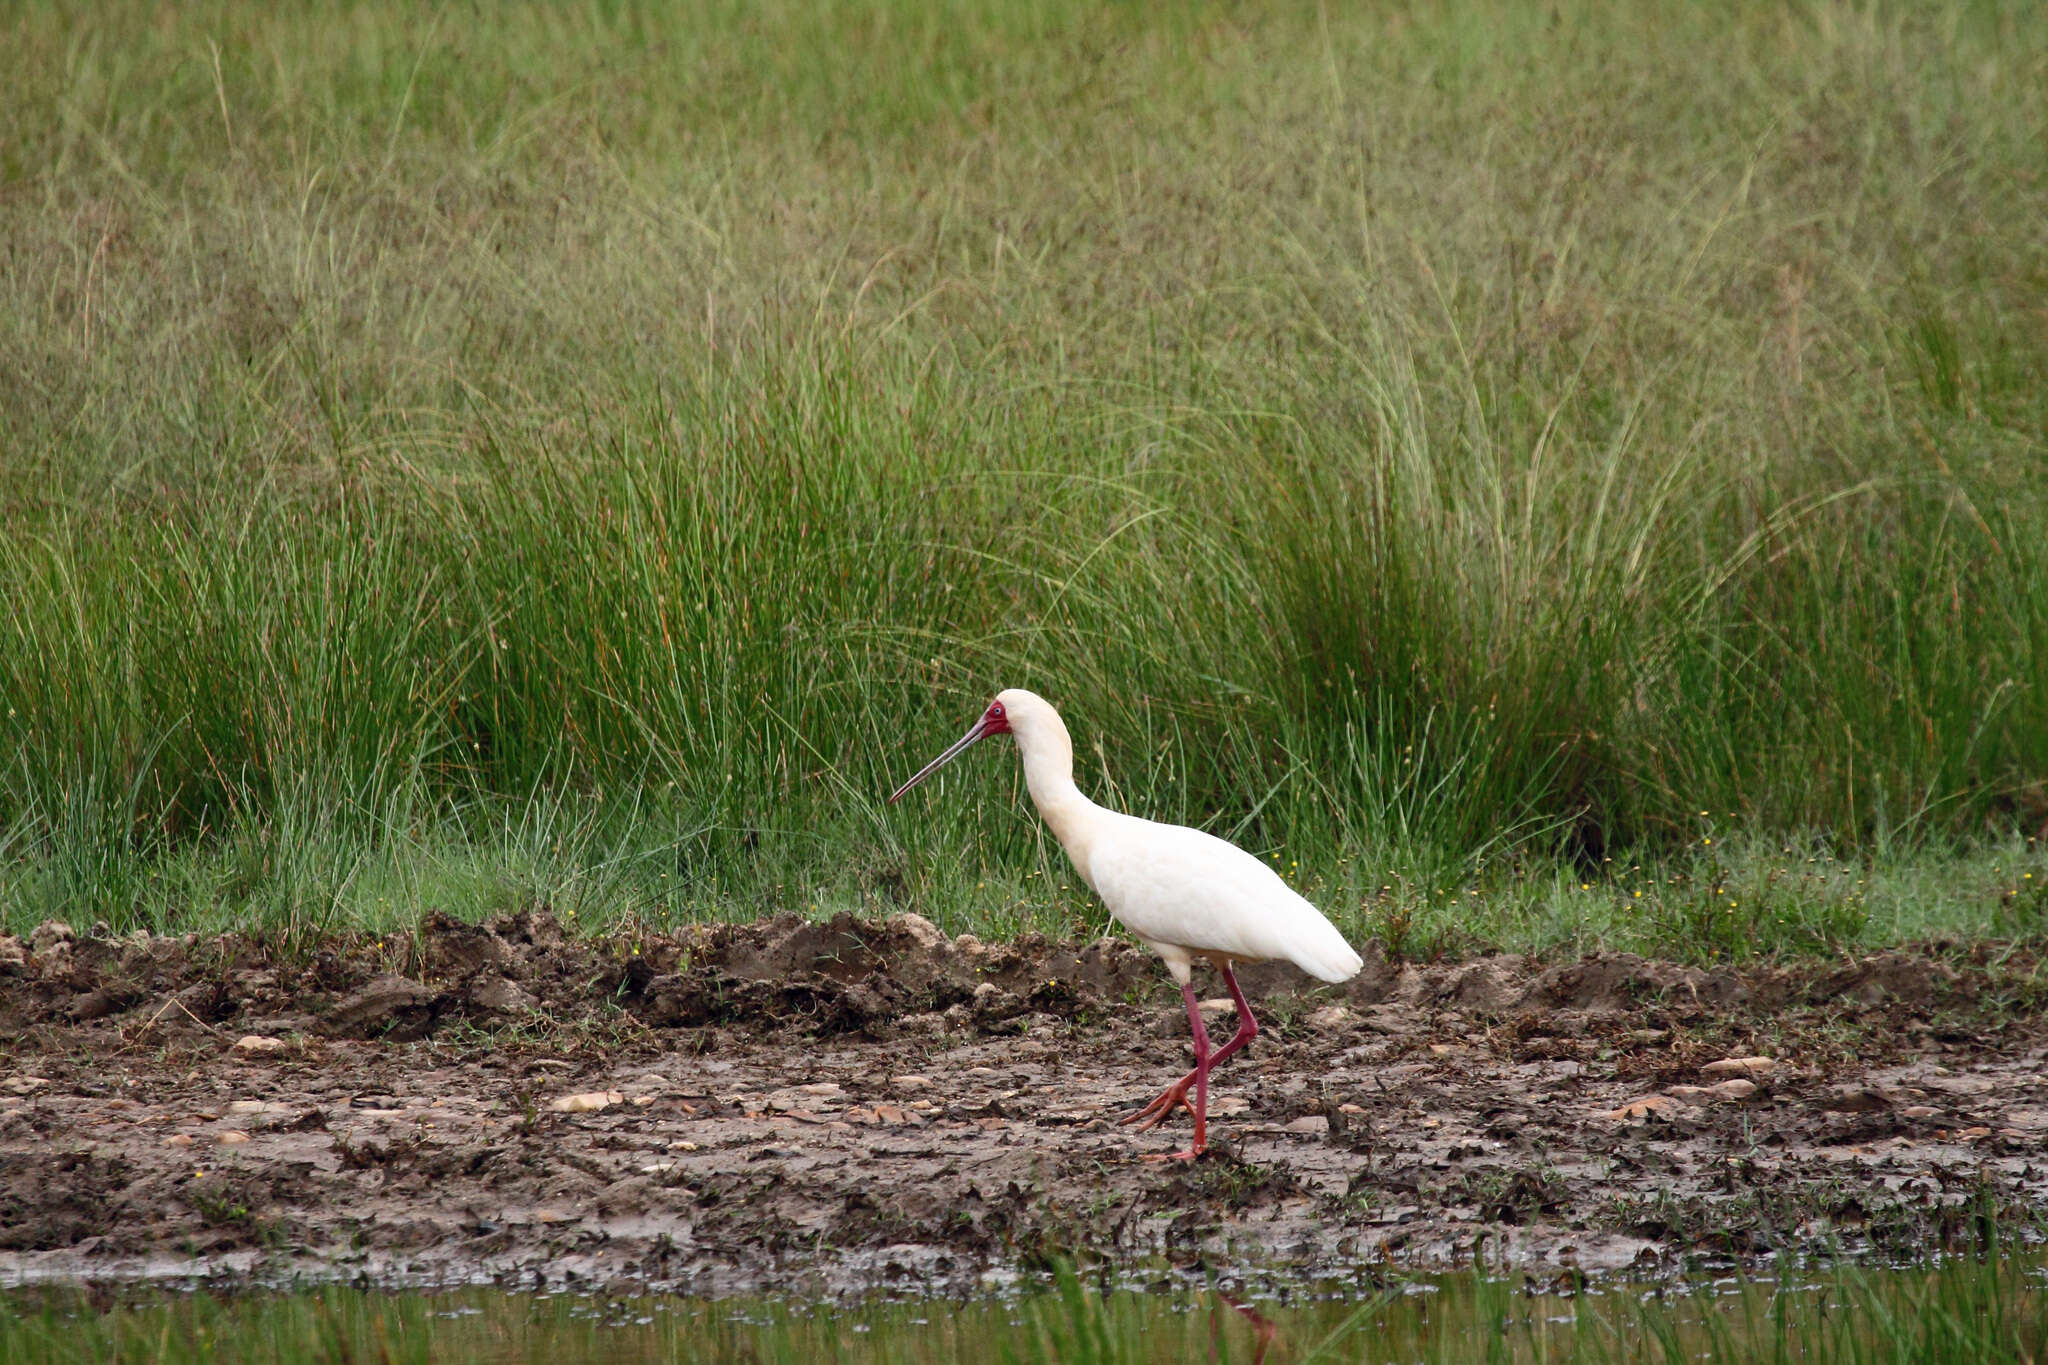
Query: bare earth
[833, 1107]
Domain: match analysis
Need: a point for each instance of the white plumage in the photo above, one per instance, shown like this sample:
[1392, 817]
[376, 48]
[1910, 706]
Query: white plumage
[1187, 895]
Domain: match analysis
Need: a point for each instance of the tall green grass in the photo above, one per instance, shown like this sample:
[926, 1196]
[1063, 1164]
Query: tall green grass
[590, 453]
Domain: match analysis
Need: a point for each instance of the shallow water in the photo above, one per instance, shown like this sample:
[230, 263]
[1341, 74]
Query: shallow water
[1960, 1310]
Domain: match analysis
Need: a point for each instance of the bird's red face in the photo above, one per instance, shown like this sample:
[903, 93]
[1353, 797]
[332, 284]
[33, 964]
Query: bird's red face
[994, 721]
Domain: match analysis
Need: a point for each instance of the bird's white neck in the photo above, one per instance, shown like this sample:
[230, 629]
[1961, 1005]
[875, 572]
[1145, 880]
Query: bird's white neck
[1048, 756]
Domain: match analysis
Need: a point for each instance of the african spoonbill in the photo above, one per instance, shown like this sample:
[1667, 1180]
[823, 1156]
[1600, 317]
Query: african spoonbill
[1185, 894]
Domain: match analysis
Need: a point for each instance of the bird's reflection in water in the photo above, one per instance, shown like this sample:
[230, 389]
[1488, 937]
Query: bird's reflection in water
[1263, 1327]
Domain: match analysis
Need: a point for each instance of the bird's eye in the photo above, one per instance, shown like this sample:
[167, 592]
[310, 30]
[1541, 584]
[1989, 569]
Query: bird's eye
[997, 708]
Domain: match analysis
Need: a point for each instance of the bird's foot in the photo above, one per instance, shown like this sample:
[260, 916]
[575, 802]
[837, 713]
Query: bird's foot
[1152, 1115]
[1189, 1155]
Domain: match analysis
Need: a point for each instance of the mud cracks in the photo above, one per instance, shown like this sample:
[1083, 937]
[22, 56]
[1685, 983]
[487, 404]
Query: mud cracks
[832, 1105]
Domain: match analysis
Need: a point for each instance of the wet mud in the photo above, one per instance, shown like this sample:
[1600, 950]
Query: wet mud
[837, 1106]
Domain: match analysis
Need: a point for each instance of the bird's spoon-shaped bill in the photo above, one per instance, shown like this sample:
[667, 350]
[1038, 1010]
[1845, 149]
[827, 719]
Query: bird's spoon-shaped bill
[959, 746]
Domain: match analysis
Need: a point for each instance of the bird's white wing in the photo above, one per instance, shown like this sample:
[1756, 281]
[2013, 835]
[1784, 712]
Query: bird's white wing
[1172, 885]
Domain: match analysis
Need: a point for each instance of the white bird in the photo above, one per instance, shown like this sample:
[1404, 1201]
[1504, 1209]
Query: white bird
[1185, 894]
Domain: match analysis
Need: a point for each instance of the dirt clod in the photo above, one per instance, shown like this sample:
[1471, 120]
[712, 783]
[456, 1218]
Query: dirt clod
[501, 996]
[1859, 1099]
[393, 1008]
[1332, 1018]
[48, 935]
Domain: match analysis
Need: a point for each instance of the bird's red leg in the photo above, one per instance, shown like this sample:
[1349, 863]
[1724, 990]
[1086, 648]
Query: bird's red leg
[1202, 1054]
[1176, 1095]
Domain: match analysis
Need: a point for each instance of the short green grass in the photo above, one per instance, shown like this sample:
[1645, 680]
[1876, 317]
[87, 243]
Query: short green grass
[586, 454]
[1967, 1312]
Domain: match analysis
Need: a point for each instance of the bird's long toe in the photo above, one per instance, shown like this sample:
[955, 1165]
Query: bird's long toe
[1150, 1117]
[1175, 1096]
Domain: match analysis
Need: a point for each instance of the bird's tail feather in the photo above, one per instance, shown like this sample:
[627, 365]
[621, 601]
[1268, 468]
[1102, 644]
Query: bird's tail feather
[1327, 957]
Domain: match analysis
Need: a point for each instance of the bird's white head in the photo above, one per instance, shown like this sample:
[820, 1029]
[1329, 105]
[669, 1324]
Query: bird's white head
[1014, 711]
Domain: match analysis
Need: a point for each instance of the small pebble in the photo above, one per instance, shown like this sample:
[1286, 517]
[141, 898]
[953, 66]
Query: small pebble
[1740, 1066]
[1648, 1105]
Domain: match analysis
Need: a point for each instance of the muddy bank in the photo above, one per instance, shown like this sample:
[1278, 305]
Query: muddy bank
[832, 1105]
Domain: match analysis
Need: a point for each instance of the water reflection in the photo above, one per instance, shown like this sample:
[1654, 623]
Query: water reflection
[1264, 1329]
[1989, 1311]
